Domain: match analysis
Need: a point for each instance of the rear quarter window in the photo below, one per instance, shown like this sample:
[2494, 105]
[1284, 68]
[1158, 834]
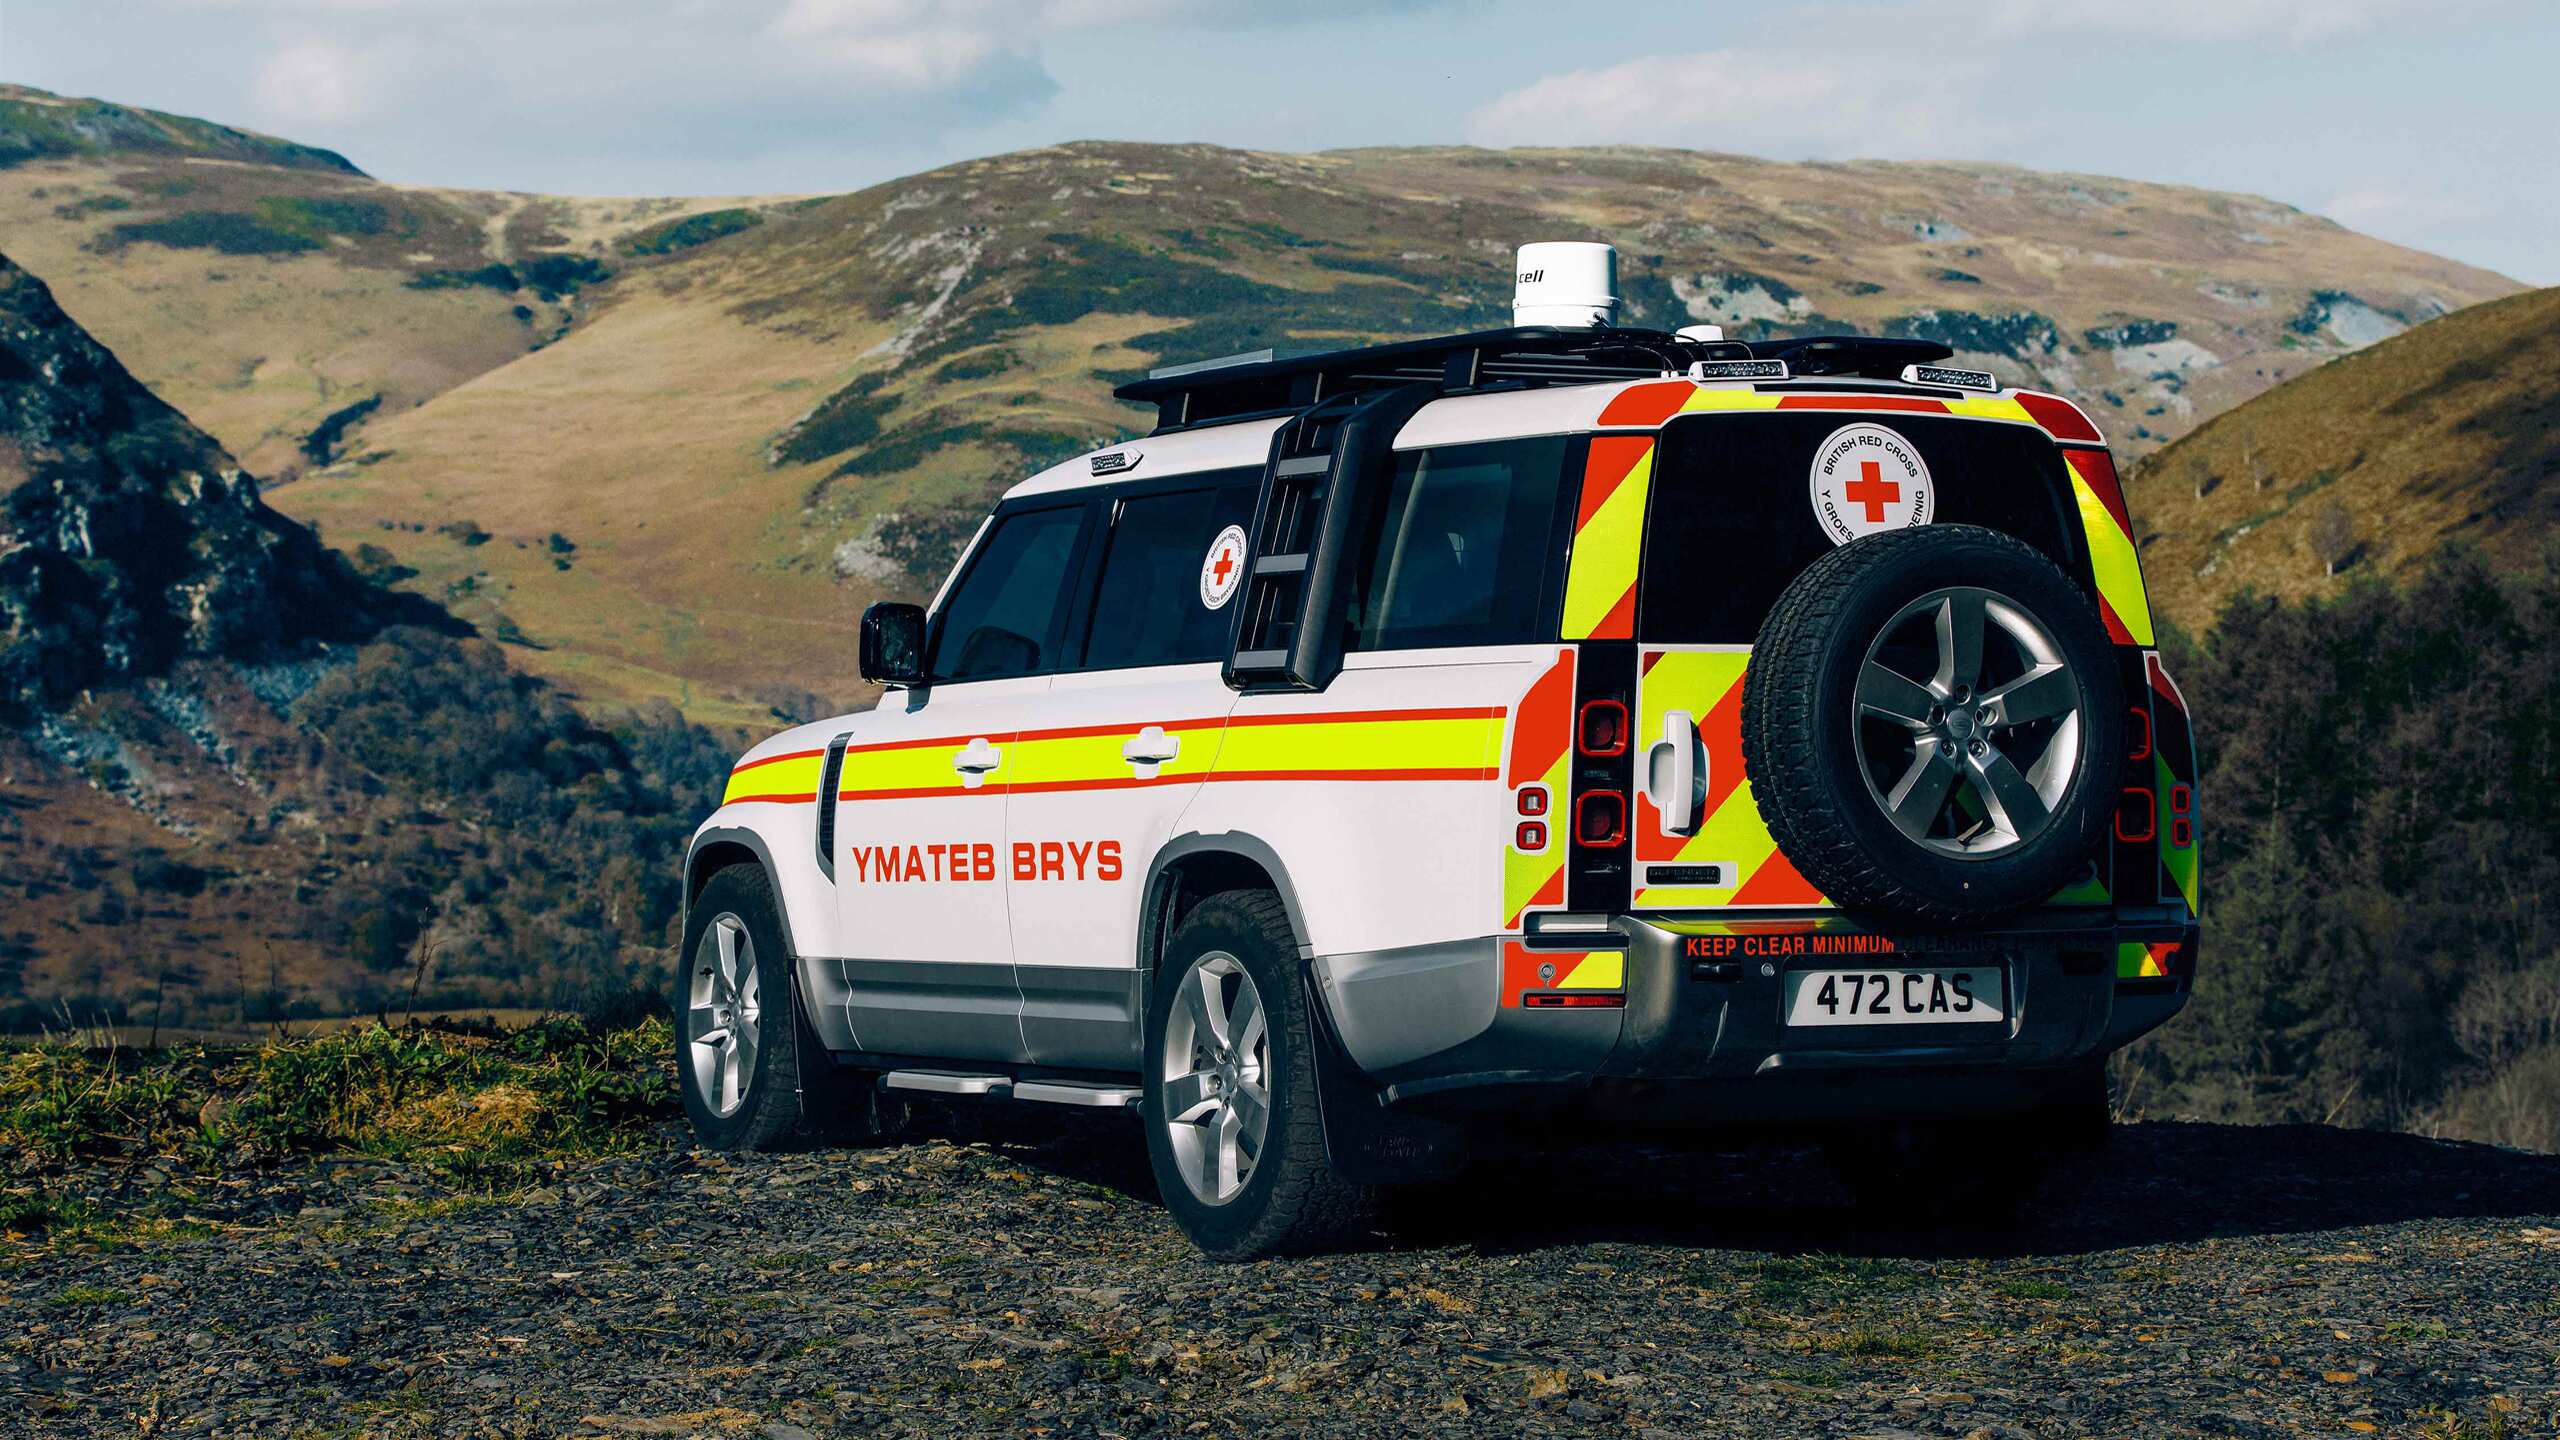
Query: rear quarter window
[1732, 523]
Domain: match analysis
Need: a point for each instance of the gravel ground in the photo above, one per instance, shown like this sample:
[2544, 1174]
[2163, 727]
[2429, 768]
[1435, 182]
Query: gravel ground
[989, 1277]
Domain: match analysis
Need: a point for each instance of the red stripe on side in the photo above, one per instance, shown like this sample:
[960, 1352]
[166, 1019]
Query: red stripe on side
[1648, 405]
[747, 765]
[1863, 402]
[809, 798]
[1129, 782]
[1315, 717]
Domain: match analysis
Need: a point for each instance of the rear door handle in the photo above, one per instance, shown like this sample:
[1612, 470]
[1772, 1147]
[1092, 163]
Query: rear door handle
[974, 760]
[1150, 748]
[1674, 778]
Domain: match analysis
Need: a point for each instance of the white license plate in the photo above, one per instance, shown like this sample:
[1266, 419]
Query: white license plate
[1894, 997]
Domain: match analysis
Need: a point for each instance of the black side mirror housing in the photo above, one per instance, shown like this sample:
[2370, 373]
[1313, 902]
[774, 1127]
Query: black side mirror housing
[893, 643]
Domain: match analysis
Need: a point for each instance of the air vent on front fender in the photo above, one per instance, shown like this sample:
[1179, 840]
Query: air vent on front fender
[829, 778]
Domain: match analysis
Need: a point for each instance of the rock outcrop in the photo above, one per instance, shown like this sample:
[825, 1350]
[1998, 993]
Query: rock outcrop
[129, 538]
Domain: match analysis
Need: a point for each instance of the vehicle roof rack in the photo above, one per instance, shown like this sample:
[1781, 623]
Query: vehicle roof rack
[1517, 358]
[1246, 387]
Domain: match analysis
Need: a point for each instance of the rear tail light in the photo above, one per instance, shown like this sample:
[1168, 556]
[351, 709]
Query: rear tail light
[2182, 829]
[1600, 818]
[2137, 816]
[1602, 728]
[1533, 800]
[1532, 835]
[2137, 733]
[1570, 1000]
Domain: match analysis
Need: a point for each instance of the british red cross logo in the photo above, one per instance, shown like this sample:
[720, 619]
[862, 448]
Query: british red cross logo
[1872, 490]
[1227, 561]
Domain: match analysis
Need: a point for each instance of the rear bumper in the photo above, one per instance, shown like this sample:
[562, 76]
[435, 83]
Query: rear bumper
[1703, 1018]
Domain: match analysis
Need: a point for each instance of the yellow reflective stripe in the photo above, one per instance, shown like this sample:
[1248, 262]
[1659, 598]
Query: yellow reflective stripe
[1523, 876]
[1706, 399]
[1356, 746]
[1605, 552]
[2134, 961]
[1991, 407]
[1599, 970]
[1054, 760]
[793, 779]
[2112, 560]
[910, 768]
[2181, 861]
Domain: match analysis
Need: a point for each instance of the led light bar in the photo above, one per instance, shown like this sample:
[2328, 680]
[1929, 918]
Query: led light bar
[1951, 377]
[1705, 370]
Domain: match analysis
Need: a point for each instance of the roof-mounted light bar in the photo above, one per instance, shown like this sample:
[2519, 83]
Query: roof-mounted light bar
[1950, 377]
[1706, 370]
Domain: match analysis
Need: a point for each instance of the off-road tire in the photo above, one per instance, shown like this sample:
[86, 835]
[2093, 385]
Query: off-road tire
[796, 1091]
[1799, 743]
[1293, 1203]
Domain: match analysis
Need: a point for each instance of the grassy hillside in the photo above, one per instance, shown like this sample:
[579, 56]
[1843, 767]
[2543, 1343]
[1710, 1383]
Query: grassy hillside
[670, 448]
[265, 287]
[747, 441]
[2450, 432]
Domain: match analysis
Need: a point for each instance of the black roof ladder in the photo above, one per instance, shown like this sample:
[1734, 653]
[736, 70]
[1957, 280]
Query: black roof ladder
[1323, 475]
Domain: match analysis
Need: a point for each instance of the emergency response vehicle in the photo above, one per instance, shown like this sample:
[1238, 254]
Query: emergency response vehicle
[1555, 726]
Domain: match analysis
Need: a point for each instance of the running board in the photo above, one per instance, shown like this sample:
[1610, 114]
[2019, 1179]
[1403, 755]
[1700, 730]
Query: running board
[998, 1087]
[947, 1082]
[1077, 1092]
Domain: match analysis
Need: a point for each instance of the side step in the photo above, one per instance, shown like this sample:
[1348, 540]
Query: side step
[1049, 1092]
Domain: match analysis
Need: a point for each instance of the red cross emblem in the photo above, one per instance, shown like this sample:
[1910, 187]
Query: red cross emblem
[1872, 490]
[1226, 562]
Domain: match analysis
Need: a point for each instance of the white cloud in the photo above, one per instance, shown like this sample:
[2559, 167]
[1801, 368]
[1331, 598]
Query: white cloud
[2292, 22]
[1831, 105]
[317, 81]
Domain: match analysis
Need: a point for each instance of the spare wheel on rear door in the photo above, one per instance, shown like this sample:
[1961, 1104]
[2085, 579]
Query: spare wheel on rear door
[1932, 723]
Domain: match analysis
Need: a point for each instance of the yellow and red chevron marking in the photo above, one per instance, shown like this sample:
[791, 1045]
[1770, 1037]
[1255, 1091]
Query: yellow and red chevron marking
[1525, 970]
[1354, 745]
[2113, 560]
[2136, 960]
[1707, 682]
[1608, 539]
[1541, 735]
[1648, 406]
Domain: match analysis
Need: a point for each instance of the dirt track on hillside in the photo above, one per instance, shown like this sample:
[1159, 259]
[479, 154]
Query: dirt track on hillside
[2195, 1281]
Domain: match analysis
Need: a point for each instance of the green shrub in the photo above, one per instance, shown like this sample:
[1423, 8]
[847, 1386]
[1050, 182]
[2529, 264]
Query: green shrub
[225, 231]
[690, 231]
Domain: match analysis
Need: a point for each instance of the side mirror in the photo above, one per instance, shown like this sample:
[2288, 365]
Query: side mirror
[893, 643]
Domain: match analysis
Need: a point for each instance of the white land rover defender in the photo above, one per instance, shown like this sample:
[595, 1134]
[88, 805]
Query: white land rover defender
[1559, 723]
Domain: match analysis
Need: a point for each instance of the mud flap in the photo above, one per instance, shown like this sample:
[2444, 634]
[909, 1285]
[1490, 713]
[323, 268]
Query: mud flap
[1367, 1141]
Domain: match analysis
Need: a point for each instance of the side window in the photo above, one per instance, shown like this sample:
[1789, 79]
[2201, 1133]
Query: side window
[1463, 549]
[1149, 610]
[1004, 617]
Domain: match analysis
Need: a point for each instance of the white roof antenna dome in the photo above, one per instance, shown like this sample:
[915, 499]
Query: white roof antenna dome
[1568, 284]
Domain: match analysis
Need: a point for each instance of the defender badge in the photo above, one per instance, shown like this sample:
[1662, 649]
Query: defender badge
[1867, 480]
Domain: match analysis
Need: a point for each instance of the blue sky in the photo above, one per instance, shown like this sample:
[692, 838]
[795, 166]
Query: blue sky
[2429, 122]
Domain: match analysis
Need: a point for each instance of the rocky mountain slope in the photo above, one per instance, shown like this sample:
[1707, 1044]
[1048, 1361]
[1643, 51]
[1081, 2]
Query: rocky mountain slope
[2366, 465]
[128, 538]
[677, 445]
[240, 780]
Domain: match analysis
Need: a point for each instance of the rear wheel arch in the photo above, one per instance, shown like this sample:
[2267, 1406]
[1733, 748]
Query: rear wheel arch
[1193, 868]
